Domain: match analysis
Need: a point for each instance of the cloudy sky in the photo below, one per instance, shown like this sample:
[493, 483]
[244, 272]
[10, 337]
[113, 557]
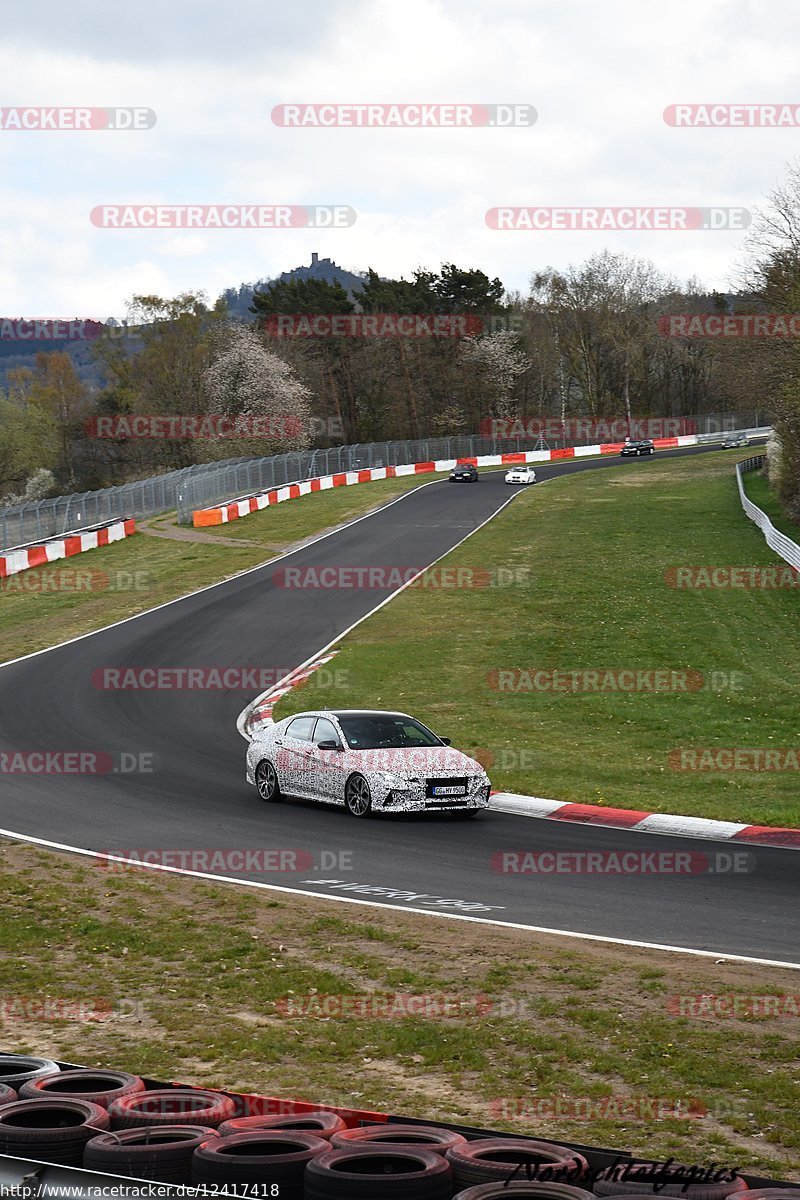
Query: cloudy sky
[599, 75]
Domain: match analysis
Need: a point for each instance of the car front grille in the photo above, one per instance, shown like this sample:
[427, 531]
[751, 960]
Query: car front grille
[460, 796]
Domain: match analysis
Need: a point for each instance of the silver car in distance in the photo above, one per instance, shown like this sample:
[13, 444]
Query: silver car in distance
[366, 760]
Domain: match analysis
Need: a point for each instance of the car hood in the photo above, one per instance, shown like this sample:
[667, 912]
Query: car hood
[416, 760]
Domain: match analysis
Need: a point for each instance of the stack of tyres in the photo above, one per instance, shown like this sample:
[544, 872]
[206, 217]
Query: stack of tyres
[322, 1124]
[54, 1131]
[269, 1158]
[99, 1087]
[161, 1153]
[171, 1106]
[379, 1173]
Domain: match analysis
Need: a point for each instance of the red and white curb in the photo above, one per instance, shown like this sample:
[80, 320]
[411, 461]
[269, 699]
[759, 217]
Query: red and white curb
[642, 822]
[53, 549]
[259, 712]
[220, 514]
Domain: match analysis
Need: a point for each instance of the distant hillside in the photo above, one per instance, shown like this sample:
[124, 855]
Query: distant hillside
[15, 354]
[238, 300]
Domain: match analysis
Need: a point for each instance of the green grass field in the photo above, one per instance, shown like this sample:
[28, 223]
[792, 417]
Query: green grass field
[599, 548]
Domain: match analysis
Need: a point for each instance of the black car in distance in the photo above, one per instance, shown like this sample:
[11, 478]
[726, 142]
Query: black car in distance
[464, 473]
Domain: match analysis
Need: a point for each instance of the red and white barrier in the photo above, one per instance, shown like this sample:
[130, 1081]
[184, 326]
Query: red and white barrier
[14, 561]
[259, 711]
[222, 513]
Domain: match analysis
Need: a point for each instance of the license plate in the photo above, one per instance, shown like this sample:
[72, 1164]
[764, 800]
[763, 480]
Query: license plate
[449, 791]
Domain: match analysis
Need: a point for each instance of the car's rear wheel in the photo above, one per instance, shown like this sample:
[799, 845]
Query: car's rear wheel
[357, 796]
[267, 782]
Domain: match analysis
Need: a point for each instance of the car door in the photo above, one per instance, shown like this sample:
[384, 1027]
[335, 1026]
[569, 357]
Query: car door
[328, 765]
[295, 757]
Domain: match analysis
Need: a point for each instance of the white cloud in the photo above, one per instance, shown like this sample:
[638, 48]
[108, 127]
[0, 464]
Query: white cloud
[600, 77]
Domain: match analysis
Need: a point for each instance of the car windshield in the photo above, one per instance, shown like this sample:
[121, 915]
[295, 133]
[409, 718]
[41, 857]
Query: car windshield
[374, 731]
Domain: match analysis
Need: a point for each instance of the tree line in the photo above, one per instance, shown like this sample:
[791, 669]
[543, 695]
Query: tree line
[593, 340]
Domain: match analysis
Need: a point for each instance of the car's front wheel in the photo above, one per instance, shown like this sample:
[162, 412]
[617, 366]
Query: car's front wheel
[357, 796]
[267, 784]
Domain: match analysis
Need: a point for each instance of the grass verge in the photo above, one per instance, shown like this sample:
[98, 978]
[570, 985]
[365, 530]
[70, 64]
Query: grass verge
[598, 548]
[191, 976]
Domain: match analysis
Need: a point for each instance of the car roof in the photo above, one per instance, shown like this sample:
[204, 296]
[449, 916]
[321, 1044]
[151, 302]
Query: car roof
[350, 712]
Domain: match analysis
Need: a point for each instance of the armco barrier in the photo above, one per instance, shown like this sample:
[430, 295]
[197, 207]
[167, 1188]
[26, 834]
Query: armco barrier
[788, 550]
[245, 505]
[24, 557]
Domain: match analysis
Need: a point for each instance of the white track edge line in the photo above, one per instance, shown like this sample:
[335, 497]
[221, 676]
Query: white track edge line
[424, 912]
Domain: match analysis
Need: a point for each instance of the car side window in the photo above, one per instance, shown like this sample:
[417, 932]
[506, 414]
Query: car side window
[301, 728]
[326, 731]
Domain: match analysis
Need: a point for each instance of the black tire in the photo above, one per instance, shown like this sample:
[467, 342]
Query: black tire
[267, 784]
[278, 1156]
[357, 796]
[99, 1087]
[320, 1124]
[163, 1154]
[171, 1106]
[7, 1094]
[693, 1191]
[369, 1172]
[406, 1137]
[526, 1191]
[498, 1160]
[16, 1069]
[54, 1131]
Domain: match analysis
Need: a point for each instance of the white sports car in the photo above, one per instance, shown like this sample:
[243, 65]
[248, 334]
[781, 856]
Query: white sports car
[521, 474]
[367, 761]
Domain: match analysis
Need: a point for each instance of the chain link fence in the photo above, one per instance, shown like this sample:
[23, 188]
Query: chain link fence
[211, 483]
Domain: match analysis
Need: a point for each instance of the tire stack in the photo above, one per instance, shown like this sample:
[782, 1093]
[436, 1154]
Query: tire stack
[110, 1122]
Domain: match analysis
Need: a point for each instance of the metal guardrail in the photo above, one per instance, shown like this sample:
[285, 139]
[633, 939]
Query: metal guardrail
[783, 545]
[210, 483]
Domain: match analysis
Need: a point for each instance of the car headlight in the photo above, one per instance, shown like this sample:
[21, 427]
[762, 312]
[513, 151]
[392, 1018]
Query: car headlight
[396, 782]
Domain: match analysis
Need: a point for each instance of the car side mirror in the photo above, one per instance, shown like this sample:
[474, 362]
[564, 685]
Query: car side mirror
[447, 741]
[330, 745]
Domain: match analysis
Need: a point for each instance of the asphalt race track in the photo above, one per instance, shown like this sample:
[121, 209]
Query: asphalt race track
[195, 797]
